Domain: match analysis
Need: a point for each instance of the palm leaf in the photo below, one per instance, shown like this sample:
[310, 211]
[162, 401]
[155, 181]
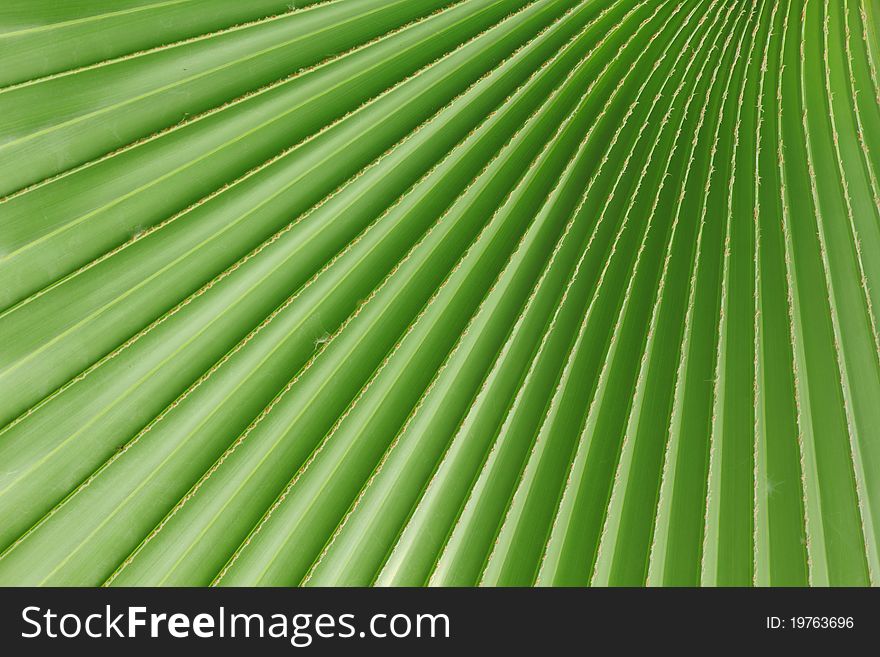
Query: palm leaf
[499, 292]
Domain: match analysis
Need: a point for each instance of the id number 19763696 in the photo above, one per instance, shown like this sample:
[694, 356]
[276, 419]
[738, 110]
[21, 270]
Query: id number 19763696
[810, 623]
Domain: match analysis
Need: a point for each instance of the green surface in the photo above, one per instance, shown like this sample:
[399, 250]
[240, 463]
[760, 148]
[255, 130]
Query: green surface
[398, 292]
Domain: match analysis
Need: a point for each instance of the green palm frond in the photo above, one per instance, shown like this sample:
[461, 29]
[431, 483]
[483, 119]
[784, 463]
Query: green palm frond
[397, 292]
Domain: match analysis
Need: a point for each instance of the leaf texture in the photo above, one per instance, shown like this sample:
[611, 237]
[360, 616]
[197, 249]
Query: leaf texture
[453, 293]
